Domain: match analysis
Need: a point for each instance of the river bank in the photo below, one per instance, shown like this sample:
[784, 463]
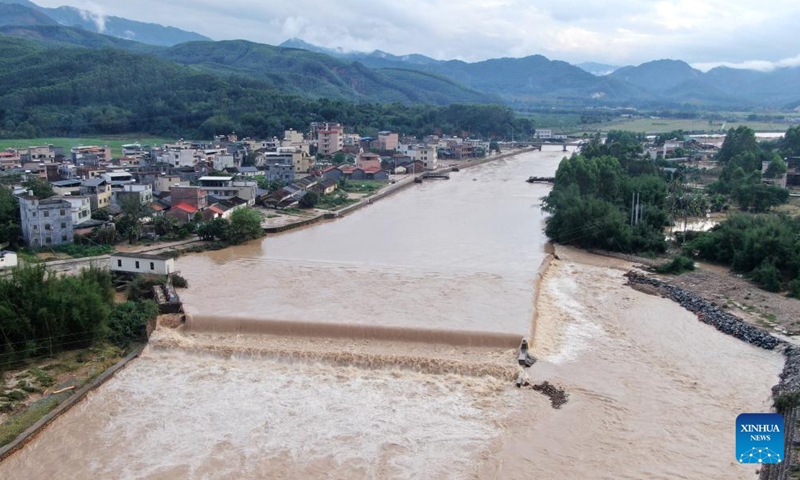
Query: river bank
[629, 361]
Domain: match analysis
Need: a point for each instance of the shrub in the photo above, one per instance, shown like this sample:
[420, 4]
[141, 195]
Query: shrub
[128, 321]
[679, 264]
[141, 288]
[767, 276]
[178, 281]
[794, 288]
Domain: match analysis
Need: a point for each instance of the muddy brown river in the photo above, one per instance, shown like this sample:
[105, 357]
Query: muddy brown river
[388, 373]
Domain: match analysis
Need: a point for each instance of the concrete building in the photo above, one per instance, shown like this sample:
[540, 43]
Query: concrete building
[193, 196]
[279, 172]
[141, 263]
[330, 138]
[164, 183]
[223, 161]
[387, 141]
[8, 260]
[80, 208]
[428, 155]
[223, 188]
[142, 193]
[543, 134]
[368, 160]
[45, 223]
[67, 187]
[90, 155]
[10, 159]
[99, 192]
[292, 138]
[117, 178]
[183, 157]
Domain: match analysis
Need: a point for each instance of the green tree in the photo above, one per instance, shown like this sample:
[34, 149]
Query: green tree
[215, 229]
[309, 200]
[738, 141]
[10, 231]
[39, 188]
[790, 145]
[245, 225]
[777, 167]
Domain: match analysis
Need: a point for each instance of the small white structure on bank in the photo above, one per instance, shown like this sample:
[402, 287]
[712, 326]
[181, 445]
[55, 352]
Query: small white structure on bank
[7, 259]
[142, 263]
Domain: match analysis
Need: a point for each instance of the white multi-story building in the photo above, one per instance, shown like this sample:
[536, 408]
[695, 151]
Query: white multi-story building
[80, 207]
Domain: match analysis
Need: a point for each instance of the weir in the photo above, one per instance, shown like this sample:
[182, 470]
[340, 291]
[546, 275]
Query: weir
[287, 328]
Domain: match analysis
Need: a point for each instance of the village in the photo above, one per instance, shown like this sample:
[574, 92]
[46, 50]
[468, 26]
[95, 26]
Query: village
[185, 182]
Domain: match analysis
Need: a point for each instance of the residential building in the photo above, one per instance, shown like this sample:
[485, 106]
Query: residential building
[182, 212]
[90, 155]
[333, 173]
[223, 161]
[429, 156]
[141, 263]
[164, 183]
[142, 193]
[67, 187]
[99, 192]
[183, 157]
[292, 138]
[302, 161]
[41, 154]
[223, 188]
[118, 178]
[330, 138]
[368, 160]
[10, 159]
[279, 172]
[45, 223]
[543, 134]
[325, 187]
[80, 208]
[193, 196]
[387, 141]
[8, 259]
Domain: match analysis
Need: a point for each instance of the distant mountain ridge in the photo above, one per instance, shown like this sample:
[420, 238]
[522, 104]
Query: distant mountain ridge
[150, 33]
[673, 82]
[301, 68]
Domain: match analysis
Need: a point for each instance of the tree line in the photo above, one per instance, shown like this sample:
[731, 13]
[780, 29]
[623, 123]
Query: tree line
[42, 313]
[74, 91]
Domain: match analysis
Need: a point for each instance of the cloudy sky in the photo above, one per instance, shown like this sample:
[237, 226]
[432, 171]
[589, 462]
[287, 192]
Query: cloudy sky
[704, 33]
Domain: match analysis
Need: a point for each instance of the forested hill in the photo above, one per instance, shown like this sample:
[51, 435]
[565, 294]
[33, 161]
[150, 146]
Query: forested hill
[289, 70]
[72, 91]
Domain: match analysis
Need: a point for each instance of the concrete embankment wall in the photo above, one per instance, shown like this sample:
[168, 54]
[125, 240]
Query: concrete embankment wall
[62, 408]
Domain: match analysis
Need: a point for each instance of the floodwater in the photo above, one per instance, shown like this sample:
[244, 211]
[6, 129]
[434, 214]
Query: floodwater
[447, 255]
[425, 275]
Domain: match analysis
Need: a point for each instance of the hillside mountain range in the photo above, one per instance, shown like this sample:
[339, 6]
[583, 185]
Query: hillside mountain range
[150, 33]
[297, 67]
[538, 79]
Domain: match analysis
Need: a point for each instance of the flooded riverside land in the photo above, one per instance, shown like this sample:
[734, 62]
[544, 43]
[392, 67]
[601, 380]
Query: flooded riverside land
[382, 345]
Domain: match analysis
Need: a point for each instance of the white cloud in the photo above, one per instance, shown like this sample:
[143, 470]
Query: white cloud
[760, 65]
[701, 32]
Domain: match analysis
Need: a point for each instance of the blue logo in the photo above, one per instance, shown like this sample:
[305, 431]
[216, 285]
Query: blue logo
[759, 438]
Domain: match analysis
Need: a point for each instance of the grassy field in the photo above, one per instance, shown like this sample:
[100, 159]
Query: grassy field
[115, 142]
[661, 125]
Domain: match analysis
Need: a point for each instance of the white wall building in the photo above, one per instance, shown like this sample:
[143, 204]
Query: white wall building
[141, 263]
[81, 208]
